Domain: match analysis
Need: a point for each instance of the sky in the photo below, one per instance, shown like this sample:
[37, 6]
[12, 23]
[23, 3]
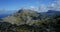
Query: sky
[56, 5]
[16, 4]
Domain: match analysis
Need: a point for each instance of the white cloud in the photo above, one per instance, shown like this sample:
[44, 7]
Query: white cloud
[43, 8]
[52, 6]
[33, 8]
[55, 5]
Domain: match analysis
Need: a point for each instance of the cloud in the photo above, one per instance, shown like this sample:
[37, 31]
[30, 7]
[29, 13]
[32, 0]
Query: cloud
[33, 8]
[55, 5]
[43, 8]
[58, 4]
[52, 6]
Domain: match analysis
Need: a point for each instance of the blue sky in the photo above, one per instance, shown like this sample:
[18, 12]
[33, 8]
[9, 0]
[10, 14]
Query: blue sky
[16, 4]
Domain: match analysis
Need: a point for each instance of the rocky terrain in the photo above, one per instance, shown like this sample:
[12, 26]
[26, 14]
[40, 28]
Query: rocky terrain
[29, 21]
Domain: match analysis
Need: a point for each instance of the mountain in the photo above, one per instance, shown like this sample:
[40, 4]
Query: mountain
[23, 16]
[30, 21]
[27, 16]
[50, 13]
[53, 11]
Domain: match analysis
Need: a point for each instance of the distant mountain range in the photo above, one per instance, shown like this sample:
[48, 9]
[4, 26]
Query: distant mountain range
[6, 13]
[50, 13]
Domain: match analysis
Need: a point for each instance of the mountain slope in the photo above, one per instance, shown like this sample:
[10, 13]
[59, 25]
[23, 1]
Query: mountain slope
[23, 17]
